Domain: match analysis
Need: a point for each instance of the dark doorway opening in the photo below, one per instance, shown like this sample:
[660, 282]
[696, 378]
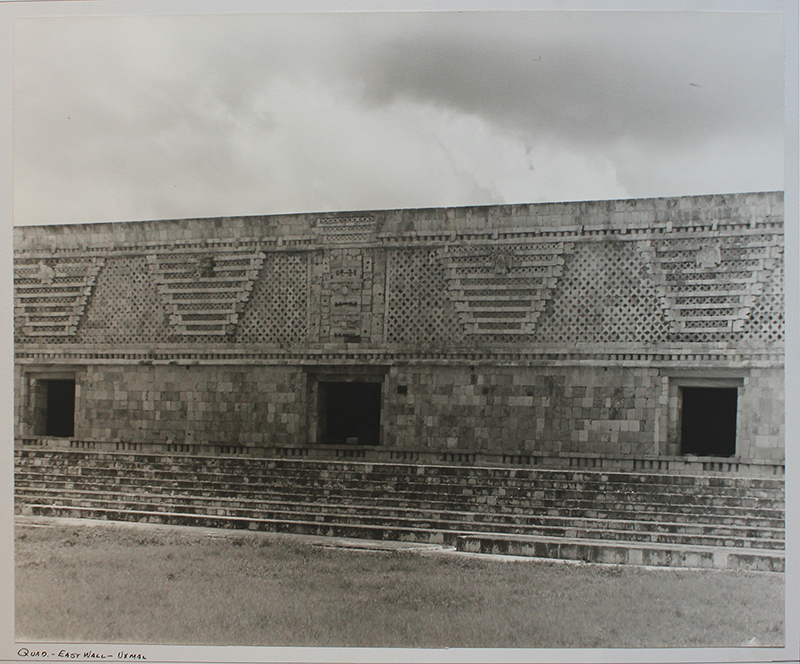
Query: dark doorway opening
[60, 408]
[350, 413]
[708, 421]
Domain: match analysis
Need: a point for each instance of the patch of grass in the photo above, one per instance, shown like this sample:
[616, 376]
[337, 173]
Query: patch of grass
[118, 584]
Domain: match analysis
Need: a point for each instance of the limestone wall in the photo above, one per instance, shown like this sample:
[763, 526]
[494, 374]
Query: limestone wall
[542, 409]
[553, 327]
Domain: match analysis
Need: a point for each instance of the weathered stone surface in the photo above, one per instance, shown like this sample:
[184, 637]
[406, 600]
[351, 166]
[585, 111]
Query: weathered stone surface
[548, 329]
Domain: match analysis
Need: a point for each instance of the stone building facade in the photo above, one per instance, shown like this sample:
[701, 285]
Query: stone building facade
[647, 330]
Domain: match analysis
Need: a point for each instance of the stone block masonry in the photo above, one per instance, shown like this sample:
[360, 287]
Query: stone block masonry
[558, 328]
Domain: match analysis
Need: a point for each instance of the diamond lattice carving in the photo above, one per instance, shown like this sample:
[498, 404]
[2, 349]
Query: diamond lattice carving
[51, 294]
[605, 296]
[766, 320]
[503, 289]
[125, 306]
[419, 310]
[278, 307]
[205, 290]
[346, 230]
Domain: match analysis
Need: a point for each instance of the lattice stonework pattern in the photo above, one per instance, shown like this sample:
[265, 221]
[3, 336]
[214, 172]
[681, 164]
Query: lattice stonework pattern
[205, 289]
[500, 290]
[51, 294]
[278, 309]
[711, 285]
[345, 230]
[767, 317]
[419, 310]
[606, 296]
[125, 306]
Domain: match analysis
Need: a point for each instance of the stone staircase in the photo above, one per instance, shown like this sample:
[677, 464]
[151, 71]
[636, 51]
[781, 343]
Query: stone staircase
[626, 517]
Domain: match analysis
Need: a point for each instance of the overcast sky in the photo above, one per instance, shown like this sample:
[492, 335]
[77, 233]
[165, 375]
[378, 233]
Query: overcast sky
[133, 118]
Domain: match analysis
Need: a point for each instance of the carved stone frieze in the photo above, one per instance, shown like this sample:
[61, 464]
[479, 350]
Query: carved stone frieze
[345, 290]
[205, 291]
[503, 289]
[51, 294]
[709, 285]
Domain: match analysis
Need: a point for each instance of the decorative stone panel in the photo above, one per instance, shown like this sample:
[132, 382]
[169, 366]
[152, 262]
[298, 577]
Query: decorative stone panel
[419, 310]
[346, 230]
[766, 320]
[710, 284]
[606, 296]
[502, 289]
[344, 284]
[125, 306]
[662, 273]
[278, 308]
[205, 289]
[51, 294]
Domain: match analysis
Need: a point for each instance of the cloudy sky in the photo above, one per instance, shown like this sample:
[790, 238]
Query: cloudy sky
[133, 118]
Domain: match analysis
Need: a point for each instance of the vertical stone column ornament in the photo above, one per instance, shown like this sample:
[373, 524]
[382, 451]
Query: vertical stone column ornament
[344, 279]
[346, 290]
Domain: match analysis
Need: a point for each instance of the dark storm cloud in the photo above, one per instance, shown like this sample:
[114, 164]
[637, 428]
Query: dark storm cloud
[663, 79]
[166, 116]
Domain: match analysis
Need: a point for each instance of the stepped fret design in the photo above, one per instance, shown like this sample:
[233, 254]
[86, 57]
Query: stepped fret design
[204, 290]
[51, 295]
[710, 285]
[502, 289]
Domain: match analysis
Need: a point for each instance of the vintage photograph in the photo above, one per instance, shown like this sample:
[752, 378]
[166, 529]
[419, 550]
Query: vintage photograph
[423, 329]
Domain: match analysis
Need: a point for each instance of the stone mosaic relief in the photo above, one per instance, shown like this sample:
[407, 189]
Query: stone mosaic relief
[50, 295]
[343, 286]
[125, 306]
[345, 230]
[683, 287]
[502, 289]
[277, 311]
[204, 291]
[606, 296]
[419, 309]
[766, 319]
[711, 285]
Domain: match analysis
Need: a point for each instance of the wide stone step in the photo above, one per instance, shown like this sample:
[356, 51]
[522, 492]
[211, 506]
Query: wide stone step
[639, 517]
[461, 519]
[128, 461]
[422, 473]
[422, 500]
[759, 519]
[659, 555]
[625, 493]
[558, 489]
[433, 522]
[303, 528]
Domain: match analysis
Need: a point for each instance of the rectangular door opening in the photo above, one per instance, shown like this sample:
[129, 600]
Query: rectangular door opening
[708, 421]
[55, 408]
[350, 413]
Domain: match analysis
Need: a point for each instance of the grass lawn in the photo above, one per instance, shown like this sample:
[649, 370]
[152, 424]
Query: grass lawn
[113, 584]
